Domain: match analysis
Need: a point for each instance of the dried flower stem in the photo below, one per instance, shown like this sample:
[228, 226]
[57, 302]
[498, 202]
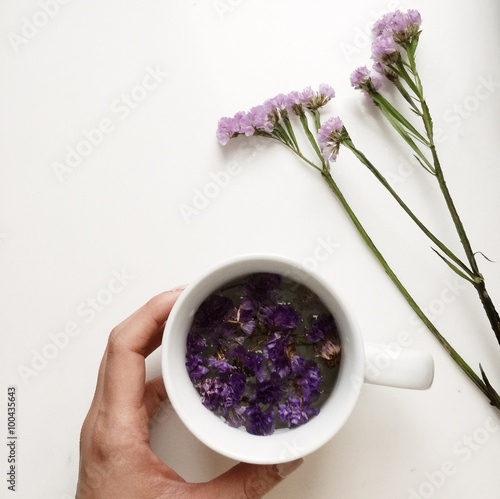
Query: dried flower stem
[409, 74]
[484, 386]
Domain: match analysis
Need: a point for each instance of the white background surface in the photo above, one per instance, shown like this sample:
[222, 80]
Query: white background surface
[120, 211]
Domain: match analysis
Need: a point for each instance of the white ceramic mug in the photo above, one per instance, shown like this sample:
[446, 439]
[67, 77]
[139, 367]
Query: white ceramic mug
[403, 368]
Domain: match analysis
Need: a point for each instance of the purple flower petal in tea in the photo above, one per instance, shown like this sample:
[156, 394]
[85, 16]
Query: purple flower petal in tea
[276, 352]
[246, 316]
[330, 351]
[308, 378]
[212, 311]
[262, 286]
[195, 343]
[259, 421]
[280, 317]
[212, 393]
[250, 362]
[295, 413]
[269, 391]
[321, 326]
[235, 416]
[195, 366]
[220, 366]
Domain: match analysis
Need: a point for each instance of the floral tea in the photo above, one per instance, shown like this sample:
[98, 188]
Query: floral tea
[263, 352]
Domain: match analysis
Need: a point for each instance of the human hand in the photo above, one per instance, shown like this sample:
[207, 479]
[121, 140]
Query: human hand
[116, 460]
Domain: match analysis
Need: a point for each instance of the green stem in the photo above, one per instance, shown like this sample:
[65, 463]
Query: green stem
[487, 390]
[309, 135]
[478, 283]
[365, 161]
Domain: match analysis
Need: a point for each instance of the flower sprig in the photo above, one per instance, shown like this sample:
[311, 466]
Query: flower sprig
[394, 55]
[393, 51]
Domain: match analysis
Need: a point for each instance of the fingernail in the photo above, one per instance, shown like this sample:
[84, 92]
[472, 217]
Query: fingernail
[285, 469]
[178, 288]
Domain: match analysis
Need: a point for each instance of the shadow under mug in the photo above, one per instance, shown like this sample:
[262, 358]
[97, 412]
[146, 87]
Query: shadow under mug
[402, 368]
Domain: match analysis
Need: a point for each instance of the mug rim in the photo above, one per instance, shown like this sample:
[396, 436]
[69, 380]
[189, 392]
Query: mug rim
[282, 445]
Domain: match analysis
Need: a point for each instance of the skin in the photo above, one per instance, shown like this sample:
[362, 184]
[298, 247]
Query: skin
[116, 460]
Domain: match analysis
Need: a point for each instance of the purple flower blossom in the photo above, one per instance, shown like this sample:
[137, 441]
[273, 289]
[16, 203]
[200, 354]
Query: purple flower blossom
[280, 317]
[361, 79]
[330, 136]
[212, 311]
[249, 362]
[308, 378]
[260, 117]
[384, 49]
[246, 316]
[264, 118]
[196, 344]
[227, 129]
[262, 286]
[326, 91]
[314, 100]
[413, 18]
[260, 422]
[268, 391]
[195, 366]
[306, 96]
[221, 366]
[276, 352]
[213, 393]
[398, 23]
[295, 413]
[235, 416]
[321, 327]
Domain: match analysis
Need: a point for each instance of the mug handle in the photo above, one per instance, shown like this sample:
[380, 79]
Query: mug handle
[388, 365]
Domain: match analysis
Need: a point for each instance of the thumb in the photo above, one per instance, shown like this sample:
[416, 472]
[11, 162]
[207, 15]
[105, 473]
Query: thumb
[250, 481]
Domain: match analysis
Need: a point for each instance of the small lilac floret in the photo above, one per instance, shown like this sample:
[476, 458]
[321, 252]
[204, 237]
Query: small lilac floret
[413, 17]
[397, 22]
[306, 96]
[326, 91]
[227, 129]
[361, 79]
[360, 76]
[382, 47]
[329, 138]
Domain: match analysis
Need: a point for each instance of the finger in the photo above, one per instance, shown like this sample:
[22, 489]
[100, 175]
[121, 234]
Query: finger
[154, 395]
[129, 343]
[250, 481]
